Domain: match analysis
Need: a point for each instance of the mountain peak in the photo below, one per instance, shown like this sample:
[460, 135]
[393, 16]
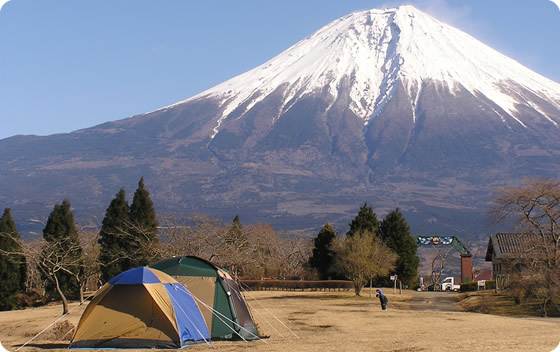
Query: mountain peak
[372, 52]
[390, 106]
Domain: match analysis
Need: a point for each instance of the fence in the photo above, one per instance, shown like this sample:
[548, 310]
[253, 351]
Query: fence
[297, 285]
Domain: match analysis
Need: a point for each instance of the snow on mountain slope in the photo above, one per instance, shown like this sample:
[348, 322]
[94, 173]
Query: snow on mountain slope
[449, 120]
[379, 49]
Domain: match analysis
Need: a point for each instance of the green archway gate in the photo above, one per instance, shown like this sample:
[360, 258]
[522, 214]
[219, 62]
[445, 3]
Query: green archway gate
[466, 256]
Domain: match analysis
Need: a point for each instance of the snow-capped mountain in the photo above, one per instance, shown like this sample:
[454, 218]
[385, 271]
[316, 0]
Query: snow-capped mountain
[386, 106]
[379, 50]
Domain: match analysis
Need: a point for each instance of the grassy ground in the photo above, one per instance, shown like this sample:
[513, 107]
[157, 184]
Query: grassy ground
[489, 302]
[332, 321]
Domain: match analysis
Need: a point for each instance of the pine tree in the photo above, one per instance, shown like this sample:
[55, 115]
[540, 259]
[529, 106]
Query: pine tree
[323, 255]
[236, 229]
[237, 248]
[13, 268]
[236, 236]
[61, 256]
[114, 239]
[143, 228]
[395, 233]
[365, 221]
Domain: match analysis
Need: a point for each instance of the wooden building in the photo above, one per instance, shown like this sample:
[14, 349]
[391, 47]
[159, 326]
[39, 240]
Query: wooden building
[508, 251]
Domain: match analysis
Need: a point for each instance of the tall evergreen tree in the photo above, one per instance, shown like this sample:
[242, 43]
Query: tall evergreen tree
[236, 236]
[236, 250]
[114, 238]
[64, 250]
[365, 221]
[13, 268]
[395, 233]
[323, 255]
[143, 229]
[236, 228]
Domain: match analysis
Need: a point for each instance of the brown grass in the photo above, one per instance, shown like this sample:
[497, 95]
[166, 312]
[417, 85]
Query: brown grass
[489, 302]
[335, 321]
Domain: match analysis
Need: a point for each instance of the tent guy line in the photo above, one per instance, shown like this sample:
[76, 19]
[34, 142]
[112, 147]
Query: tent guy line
[54, 322]
[290, 330]
[186, 315]
[218, 314]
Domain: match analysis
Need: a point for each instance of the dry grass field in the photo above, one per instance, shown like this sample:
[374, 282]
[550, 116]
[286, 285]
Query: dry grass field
[334, 321]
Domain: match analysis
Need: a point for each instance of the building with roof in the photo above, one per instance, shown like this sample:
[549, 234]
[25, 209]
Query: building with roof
[508, 252]
[483, 275]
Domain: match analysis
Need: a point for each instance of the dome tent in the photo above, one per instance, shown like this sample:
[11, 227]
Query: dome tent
[223, 306]
[140, 308]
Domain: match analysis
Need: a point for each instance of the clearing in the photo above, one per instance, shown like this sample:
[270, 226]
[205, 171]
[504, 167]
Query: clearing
[335, 321]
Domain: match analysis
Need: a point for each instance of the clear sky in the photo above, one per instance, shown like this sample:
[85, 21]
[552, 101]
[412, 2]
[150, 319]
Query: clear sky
[72, 64]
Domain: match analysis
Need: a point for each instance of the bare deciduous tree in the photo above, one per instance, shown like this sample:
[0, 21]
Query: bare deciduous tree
[254, 251]
[534, 208]
[362, 257]
[90, 279]
[294, 254]
[50, 258]
[438, 265]
[200, 236]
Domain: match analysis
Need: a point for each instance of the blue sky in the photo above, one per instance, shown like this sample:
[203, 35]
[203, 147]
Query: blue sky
[67, 64]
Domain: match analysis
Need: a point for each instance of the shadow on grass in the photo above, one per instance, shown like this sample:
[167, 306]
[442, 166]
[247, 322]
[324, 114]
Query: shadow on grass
[46, 346]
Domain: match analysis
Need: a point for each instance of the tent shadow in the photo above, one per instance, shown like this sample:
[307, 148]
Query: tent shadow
[47, 346]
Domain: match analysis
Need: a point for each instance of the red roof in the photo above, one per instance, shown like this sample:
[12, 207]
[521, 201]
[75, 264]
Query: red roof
[485, 274]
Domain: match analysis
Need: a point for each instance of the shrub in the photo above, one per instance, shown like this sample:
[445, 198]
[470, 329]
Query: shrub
[10, 303]
[63, 330]
[469, 286]
[519, 294]
[473, 286]
[23, 300]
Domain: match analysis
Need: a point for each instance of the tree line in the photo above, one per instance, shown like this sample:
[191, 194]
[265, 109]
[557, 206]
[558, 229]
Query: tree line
[369, 250]
[69, 260]
[66, 259]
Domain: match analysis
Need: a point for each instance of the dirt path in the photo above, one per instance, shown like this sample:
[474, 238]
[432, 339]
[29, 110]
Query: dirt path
[434, 301]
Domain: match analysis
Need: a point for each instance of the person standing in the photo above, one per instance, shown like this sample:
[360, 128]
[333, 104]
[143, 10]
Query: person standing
[382, 299]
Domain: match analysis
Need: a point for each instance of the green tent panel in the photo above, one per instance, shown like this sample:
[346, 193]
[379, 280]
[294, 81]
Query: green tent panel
[220, 300]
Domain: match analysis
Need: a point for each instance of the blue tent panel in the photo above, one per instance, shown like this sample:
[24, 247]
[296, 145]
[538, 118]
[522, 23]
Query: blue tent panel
[191, 324]
[140, 275]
